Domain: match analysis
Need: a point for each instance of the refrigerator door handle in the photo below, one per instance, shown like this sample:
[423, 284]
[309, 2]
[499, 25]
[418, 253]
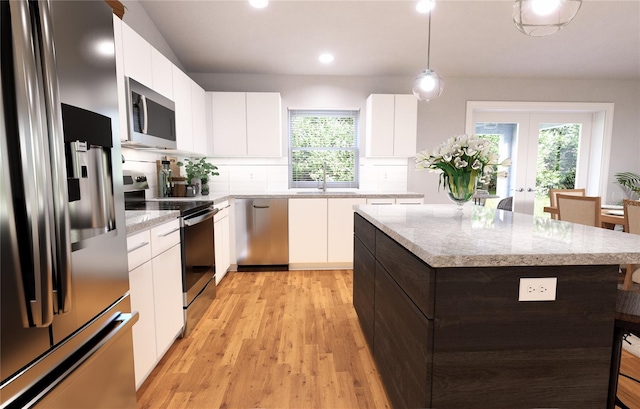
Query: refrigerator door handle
[60, 234]
[35, 167]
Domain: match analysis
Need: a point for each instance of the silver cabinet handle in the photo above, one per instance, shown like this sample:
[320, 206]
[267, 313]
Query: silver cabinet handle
[139, 246]
[60, 232]
[32, 133]
[169, 232]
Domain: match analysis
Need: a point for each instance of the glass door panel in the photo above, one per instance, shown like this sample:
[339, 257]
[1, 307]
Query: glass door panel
[548, 151]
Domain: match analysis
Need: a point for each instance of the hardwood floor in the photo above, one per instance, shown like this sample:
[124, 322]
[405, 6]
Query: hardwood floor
[629, 390]
[284, 340]
[271, 340]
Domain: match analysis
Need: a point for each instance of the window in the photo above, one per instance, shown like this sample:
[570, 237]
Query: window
[319, 138]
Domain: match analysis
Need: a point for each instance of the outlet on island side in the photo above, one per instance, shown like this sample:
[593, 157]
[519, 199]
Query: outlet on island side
[538, 289]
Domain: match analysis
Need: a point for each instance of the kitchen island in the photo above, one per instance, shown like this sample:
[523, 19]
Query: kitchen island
[441, 303]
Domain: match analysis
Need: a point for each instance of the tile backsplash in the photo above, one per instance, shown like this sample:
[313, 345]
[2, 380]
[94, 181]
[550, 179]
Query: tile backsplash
[258, 175]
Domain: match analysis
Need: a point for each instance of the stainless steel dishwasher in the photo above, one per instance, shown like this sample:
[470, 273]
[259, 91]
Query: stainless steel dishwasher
[262, 234]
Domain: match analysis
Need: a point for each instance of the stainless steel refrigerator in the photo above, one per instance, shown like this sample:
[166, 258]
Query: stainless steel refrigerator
[65, 335]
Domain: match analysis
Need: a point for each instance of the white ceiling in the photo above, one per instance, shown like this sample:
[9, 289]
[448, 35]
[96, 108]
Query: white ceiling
[475, 38]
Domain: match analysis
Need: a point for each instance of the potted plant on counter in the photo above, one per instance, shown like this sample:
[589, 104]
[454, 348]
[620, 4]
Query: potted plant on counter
[198, 172]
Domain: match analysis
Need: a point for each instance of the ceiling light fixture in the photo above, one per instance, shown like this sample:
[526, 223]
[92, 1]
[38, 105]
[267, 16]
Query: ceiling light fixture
[425, 6]
[539, 18]
[428, 85]
[259, 4]
[326, 58]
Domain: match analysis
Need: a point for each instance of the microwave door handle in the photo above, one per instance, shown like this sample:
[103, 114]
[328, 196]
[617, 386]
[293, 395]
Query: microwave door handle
[60, 233]
[145, 121]
[34, 158]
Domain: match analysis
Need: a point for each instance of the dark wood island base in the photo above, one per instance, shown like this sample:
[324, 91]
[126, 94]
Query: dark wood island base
[457, 337]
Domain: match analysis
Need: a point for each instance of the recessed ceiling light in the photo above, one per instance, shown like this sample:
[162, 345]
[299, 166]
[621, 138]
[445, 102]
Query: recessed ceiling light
[326, 58]
[259, 4]
[425, 6]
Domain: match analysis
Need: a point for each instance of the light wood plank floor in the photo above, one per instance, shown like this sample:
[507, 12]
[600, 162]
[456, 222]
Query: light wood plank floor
[271, 340]
[284, 340]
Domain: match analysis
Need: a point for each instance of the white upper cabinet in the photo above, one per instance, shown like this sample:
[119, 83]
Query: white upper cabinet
[392, 122]
[245, 124]
[137, 56]
[264, 124]
[162, 73]
[229, 123]
[199, 127]
[184, 116]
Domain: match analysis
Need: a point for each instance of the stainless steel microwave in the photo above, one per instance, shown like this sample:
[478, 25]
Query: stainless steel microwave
[151, 117]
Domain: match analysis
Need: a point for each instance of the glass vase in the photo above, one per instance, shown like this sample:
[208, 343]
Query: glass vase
[461, 188]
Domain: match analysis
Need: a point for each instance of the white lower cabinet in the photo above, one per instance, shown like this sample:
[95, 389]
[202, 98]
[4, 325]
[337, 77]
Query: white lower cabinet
[321, 231]
[392, 200]
[222, 241]
[307, 231]
[340, 228]
[155, 288]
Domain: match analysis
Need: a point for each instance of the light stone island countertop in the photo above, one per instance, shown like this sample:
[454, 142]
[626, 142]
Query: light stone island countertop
[441, 236]
[138, 220]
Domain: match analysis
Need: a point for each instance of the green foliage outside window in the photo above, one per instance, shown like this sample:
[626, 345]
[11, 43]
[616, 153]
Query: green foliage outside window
[557, 158]
[323, 137]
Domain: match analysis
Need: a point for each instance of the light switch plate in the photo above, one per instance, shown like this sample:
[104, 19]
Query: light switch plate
[538, 289]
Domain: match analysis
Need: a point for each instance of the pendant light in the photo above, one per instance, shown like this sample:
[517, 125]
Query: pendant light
[428, 85]
[539, 18]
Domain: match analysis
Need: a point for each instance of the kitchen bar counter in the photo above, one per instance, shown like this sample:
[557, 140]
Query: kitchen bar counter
[138, 220]
[442, 237]
[487, 309]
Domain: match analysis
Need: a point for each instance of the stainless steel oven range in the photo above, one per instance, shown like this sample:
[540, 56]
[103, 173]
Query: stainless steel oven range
[197, 247]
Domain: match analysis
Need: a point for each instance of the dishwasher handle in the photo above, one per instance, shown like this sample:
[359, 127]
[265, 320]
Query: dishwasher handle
[192, 221]
[260, 207]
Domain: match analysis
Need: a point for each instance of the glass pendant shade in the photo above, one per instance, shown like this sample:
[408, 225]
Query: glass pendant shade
[539, 18]
[428, 85]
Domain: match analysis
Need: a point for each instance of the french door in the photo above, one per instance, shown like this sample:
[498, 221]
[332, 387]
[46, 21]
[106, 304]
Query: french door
[547, 149]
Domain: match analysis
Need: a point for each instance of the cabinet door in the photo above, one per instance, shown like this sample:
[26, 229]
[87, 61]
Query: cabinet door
[221, 236]
[137, 56]
[167, 290]
[380, 125]
[122, 100]
[264, 124]
[340, 229]
[162, 72]
[144, 331]
[199, 119]
[308, 230]
[402, 345]
[184, 118]
[363, 289]
[405, 125]
[229, 123]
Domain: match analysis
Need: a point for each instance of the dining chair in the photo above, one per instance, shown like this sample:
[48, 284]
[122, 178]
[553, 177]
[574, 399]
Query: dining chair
[579, 209]
[554, 192]
[631, 225]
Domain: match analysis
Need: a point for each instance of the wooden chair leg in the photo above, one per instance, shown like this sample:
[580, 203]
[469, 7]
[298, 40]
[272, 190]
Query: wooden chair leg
[628, 282]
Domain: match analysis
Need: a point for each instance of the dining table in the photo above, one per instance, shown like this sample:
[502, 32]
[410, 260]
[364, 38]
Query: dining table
[609, 218]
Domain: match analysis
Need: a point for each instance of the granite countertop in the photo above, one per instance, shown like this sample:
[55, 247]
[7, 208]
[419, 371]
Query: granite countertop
[138, 220]
[441, 236]
[217, 197]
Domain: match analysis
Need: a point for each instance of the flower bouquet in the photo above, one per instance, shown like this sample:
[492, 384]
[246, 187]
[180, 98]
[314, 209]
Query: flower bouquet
[462, 160]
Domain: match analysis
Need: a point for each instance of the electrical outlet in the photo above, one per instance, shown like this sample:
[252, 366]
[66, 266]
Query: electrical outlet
[538, 289]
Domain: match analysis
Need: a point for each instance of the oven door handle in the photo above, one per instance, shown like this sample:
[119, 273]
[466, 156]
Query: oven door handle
[192, 221]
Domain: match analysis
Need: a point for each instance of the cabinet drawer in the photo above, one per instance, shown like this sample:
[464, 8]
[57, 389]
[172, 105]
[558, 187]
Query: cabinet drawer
[138, 249]
[415, 277]
[164, 237]
[366, 232]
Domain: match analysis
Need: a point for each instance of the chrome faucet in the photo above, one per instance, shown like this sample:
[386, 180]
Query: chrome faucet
[324, 176]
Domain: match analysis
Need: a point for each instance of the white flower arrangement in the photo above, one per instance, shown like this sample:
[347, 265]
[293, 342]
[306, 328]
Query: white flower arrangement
[461, 160]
